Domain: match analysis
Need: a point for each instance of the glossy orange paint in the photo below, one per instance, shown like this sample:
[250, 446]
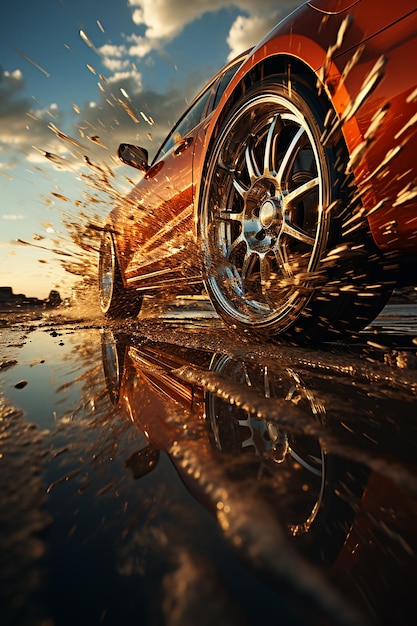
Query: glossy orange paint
[160, 216]
[309, 36]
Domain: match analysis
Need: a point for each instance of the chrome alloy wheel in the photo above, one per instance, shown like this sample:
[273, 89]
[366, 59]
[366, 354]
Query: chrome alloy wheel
[107, 270]
[116, 301]
[264, 223]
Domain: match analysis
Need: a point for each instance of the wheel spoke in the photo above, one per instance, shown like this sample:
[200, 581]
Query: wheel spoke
[234, 280]
[265, 269]
[227, 244]
[250, 160]
[289, 157]
[247, 265]
[225, 239]
[269, 156]
[267, 388]
[294, 231]
[231, 247]
[282, 261]
[296, 195]
[314, 466]
[241, 189]
[246, 374]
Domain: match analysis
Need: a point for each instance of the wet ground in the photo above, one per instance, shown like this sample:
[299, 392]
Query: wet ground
[169, 472]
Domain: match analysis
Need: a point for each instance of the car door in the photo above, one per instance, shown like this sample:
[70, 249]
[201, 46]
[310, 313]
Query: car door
[161, 236]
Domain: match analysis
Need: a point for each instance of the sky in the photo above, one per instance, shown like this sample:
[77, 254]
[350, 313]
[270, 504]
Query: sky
[78, 77]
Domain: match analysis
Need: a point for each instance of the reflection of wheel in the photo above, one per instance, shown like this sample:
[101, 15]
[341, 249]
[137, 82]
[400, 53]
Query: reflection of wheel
[113, 351]
[313, 492]
[275, 453]
[270, 215]
[115, 300]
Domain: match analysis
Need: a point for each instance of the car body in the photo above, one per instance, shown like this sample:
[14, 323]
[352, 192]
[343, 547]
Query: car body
[288, 187]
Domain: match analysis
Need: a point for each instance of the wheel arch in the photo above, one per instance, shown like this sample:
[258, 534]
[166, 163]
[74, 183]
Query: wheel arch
[266, 68]
[279, 64]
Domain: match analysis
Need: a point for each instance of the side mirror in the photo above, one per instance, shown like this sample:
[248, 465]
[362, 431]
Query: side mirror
[134, 156]
[143, 461]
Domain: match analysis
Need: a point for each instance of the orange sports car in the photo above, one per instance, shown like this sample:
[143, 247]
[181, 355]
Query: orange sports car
[288, 188]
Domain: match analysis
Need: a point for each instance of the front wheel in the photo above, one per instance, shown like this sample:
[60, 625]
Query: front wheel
[272, 219]
[116, 302]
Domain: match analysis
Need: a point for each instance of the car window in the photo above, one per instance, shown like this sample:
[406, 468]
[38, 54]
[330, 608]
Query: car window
[224, 81]
[189, 121]
[194, 115]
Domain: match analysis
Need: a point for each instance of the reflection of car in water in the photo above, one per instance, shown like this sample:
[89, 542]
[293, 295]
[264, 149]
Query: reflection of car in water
[252, 447]
[258, 436]
[288, 186]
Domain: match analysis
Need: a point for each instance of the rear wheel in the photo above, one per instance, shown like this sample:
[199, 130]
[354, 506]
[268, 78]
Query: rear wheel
[115, 300]
[272, 222]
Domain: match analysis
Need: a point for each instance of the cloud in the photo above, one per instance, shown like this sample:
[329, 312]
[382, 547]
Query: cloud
[110, 50]
[164, 20]
[123, 105]
[21, 124]
[126, 112]
[50, 138]
[245, 31]
[115, 65]
[114, 58]
[140, 46]
[13, 108]
[122, 108]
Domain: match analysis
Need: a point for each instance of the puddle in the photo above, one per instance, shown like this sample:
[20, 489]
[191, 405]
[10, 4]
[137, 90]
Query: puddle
[169, 465]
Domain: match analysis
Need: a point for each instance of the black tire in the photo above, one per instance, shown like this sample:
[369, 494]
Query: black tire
[116, 302]
[274, 212]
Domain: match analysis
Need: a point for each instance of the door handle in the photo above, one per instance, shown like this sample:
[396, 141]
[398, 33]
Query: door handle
[183, 145]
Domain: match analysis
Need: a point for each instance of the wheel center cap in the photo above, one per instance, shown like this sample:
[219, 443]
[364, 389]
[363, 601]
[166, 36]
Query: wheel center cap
[270, 212]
